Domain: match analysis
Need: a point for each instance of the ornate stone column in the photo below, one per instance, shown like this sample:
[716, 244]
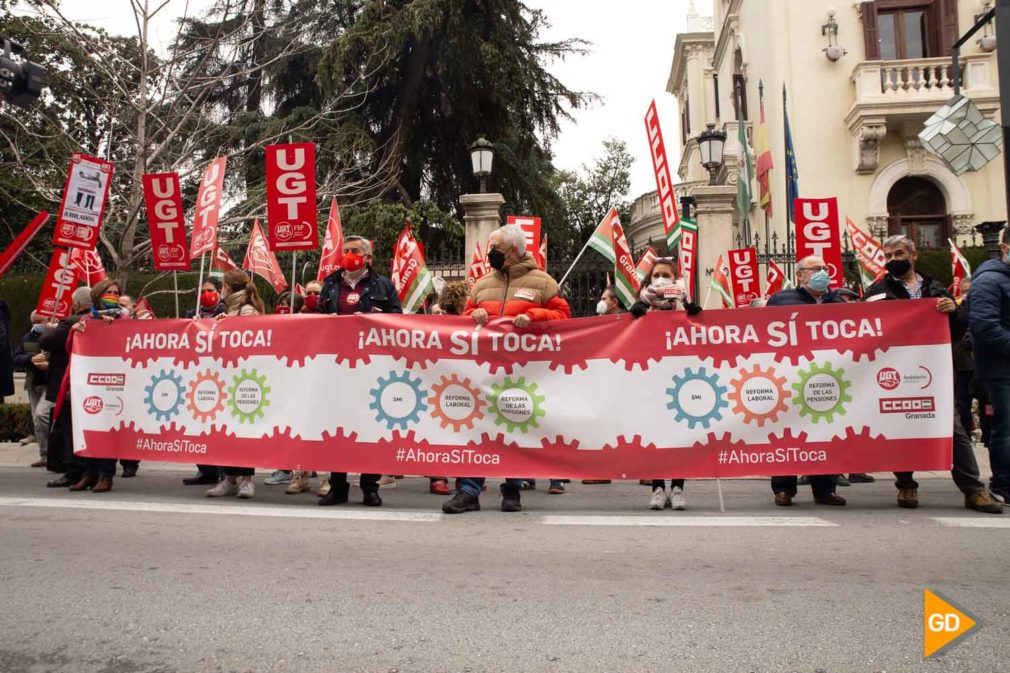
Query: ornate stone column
[714, 210]
[481, 217]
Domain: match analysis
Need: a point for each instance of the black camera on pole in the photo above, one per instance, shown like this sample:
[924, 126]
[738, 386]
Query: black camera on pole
[21, 81]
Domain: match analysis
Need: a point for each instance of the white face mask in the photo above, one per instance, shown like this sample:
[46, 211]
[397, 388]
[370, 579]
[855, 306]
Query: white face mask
[661, 282]
[601, 307]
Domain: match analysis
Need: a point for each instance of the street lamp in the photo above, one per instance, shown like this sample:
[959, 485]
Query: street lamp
[482, 156]
[711, 144]
[990, 237]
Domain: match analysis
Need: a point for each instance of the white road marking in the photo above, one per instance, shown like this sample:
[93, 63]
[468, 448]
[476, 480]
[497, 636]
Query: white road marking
[972, 522]
[674, 520]
[240, 510]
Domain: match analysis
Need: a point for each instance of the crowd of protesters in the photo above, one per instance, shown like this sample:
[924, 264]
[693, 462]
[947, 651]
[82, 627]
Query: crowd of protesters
[518, 289]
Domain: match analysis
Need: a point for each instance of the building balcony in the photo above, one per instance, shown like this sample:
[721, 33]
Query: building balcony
[900, 95]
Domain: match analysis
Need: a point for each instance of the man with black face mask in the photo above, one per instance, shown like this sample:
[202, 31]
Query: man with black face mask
[903, 282]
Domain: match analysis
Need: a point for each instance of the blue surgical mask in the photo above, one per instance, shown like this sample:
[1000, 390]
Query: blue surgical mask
[37, 329]
[819, 281]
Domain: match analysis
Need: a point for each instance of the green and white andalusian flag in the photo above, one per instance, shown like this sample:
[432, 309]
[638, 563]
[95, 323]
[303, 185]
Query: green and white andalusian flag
[410, 274]
[602, 240]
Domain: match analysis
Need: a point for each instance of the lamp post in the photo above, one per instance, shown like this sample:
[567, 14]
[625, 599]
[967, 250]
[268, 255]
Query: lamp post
[990, 237]
[711, 144]
[482, 158]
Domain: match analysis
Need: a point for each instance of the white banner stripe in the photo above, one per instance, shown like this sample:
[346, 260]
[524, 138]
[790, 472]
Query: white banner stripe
[686, 521]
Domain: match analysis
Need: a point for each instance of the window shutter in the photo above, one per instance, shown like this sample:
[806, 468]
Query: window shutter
[870, 36]
[947, 27]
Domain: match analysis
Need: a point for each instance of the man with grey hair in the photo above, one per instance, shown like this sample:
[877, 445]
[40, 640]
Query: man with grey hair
[30, 359]
[53, 340]
[903, 282]
[519, 290]
[355, 288]
[989, 319]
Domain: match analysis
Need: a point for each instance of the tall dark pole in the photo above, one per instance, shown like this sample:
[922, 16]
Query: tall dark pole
[1003, 60]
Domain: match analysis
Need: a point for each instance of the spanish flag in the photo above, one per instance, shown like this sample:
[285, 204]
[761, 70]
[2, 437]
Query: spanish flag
[764, 160]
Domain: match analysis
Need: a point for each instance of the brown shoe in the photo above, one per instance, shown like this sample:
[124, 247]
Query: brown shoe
[103, 486]
[41, 462]
[832, 499]
[908, 498]
[982, 502]
[783, 499]
[84, 484]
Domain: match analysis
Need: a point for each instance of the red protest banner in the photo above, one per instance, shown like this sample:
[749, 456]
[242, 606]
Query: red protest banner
[87, 265]
[477, 269]
[626, 284]
[83, 205]
[743, 276]
[818, 233]
[208, 208]
[260, 260]
[543, 254]
[742, 393]
[868, 251]
[664, 178]
[166, 221]
[531, 227]
[776, 279]
[688, 255]
[21, 242]
[291, 197]
[54, 300]
[220, 261]
[960, 269]
[333, 244]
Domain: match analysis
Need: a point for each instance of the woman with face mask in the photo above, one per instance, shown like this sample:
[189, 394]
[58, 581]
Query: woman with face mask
[663, 291]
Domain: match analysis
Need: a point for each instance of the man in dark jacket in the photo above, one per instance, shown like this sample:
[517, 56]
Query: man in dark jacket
[903, 282]
[356, 288]
[812, 288]
[61, 456]
[6, 362]
[29, 358]
[989, 321]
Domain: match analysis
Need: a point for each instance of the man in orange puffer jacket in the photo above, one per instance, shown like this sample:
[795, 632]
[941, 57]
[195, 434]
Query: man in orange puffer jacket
[517, 288]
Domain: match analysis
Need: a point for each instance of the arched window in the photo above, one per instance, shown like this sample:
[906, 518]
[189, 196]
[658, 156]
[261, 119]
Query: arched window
[916, 208]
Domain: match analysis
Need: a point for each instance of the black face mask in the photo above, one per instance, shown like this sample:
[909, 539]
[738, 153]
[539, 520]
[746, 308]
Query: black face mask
[898, 267]
[496, 258]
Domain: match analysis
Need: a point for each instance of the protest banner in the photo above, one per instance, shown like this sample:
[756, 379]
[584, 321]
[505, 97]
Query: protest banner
[664, 179]
[61, 279]
[333, 244]
[292, 222]
[826, 389]
[743, 275]
[84, 197]
[166, 221]
[208, 210]
[818, 233]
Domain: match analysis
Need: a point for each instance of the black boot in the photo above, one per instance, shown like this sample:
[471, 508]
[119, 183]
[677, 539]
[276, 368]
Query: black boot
[510, 499]
[461, 502]
[371, 499]
[336, 496]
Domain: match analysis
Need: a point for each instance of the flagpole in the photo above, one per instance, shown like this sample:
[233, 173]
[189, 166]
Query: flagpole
[175, 283]
[576, 261]
[294, 271]
[203, 259]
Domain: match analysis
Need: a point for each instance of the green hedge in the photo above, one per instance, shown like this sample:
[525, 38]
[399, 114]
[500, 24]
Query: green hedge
[15, 422]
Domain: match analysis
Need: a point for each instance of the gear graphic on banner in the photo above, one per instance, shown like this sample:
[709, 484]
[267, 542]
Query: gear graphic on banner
[398, 400]
[206, 396]
[697, 397]
[759, 395]
[821, 392]
[516, 404]
[456, 402]
[248, 396]
[165, 395]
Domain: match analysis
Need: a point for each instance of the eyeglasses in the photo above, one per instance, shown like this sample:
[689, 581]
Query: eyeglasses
[813, 268]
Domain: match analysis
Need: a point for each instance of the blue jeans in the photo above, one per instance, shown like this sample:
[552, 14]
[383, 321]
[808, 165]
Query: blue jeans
[999, 435]
[474, 485]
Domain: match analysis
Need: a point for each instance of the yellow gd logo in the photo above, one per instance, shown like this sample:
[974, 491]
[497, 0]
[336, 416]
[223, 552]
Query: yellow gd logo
[943, 623]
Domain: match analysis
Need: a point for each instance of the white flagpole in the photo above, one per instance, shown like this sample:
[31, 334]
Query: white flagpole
[576, 261]
[203, 259]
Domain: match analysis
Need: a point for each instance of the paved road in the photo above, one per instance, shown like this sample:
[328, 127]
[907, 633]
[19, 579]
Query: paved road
[161, 579]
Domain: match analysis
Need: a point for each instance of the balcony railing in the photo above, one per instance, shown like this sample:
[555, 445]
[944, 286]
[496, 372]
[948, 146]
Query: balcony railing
[926, 80]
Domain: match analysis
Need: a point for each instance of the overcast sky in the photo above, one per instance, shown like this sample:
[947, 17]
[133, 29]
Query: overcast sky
[629, 63]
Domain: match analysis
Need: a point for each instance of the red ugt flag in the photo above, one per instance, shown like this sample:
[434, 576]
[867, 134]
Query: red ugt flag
[261, 261]
[291, 196]
[166, 221]
[208, 208]
[478, 267]
[54, 300]
[220, 261]
[333, 244]
[88, 266]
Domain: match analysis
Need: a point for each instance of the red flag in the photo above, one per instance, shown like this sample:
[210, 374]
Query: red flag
[54, 300]
[664, 179]
[261, 261]
[208, 208]
[818, 233]
[333, 244]
[645, 263]
[291, 197]
[220, 261]
[166, 221]
[87, 265]
[142, 310]
[531, 227]
[775, 280]
[411, 277]
[84, 197]
[869, 254]
[960, 268]
[743, 273]
[543, 253]
[299, 289]
[720, 283]
[688, 252]
[764, 163]
[19, 244]
[626, 284]
[478, 267]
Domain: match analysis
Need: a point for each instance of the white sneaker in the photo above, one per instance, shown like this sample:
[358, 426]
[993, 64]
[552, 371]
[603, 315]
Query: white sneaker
[677, 500]
[658, 500]
[299, 483]
[224, 487]
[246, 488]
